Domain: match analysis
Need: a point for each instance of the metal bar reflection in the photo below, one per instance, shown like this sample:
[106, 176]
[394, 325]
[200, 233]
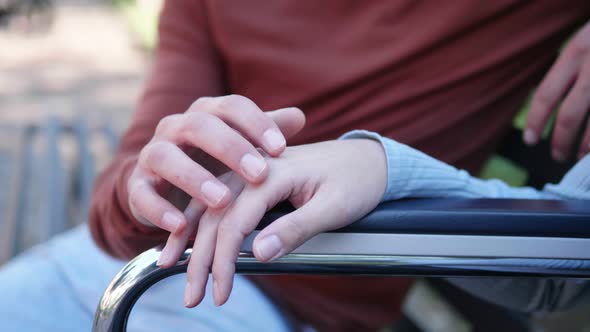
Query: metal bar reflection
[142, 272]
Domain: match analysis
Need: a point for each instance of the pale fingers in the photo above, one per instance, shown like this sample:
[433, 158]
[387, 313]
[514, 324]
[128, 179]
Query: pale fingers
[571, 115]
[205, 246]
[167, 161]
[247, 118]
[551, 90]
[209, 133]
[290, 231]
[237, 223]
[177, 241]
[151, 209]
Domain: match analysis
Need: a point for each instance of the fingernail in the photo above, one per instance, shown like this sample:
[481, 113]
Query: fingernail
[252, 165]
[213, 192]
[274, 139]
[216, 294]
[558, 155]
[269, 247]
[530, 137]
[171, 221]
[164, 257]
[187, 295]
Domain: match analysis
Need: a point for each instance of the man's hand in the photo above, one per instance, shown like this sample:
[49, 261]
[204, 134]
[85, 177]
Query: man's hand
[228, 130]
[568, 83]
[331, 184]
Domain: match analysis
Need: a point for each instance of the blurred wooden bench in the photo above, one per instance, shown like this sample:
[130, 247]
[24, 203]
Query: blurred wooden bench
[49, 170]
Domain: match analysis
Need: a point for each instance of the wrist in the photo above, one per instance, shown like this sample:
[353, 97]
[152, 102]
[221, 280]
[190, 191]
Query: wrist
[376, 163]
[373, 147]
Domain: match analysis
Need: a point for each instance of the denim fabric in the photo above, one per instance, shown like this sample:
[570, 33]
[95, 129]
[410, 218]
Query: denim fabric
[56, 286]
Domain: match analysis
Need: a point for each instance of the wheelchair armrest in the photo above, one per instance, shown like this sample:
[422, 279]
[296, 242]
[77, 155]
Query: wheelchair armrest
[510, 217]
[430, 237]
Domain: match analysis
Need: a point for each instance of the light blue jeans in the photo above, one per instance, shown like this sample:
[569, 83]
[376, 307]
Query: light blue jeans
[56, 286]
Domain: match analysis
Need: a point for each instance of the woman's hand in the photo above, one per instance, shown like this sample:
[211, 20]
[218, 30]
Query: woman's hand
[331, 184]
[568, 83]
[221, 131]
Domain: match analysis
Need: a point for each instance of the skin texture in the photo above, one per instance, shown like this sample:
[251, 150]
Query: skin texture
[222, 133]
[331, 184]
[566, 88]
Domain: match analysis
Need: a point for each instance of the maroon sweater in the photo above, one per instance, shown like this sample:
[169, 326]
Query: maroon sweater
[446, 78]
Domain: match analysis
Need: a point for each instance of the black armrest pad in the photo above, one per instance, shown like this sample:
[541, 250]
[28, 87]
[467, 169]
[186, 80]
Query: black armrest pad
[508, 217]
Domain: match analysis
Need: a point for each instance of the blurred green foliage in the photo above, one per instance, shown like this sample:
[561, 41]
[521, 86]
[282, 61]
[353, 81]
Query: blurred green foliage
[501, 168]
[142, 20]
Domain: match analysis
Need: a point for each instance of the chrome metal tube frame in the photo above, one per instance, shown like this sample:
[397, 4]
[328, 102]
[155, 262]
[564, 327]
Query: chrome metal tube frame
[142, 272]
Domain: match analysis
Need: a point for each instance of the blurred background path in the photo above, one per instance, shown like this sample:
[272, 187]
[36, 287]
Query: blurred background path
[70, 74]
[79, 58]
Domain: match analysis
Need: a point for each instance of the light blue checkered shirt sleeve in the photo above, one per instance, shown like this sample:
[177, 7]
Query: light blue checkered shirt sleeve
[411, 173]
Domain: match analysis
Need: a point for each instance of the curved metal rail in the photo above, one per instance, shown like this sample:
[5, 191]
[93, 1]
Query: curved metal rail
[142, 272]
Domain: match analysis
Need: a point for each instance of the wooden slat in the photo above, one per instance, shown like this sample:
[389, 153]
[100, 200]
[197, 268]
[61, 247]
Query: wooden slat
[85, 167]
[46, 182]
[12, 170]
[54, 179]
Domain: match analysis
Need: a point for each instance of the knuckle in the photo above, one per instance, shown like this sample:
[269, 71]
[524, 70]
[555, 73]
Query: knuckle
[134, 188]
[201, 104]
[231, 231]
[297, 233]
[230, 103]
[156, 152]
[196, 122]
[167, 124]
[576, 49]
[135, 196]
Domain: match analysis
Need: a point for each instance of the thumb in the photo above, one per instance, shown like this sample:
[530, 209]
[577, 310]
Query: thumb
[292, 230]
[290, 120]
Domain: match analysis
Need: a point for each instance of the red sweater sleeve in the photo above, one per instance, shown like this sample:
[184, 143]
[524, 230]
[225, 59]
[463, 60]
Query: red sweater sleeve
[186, 66]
